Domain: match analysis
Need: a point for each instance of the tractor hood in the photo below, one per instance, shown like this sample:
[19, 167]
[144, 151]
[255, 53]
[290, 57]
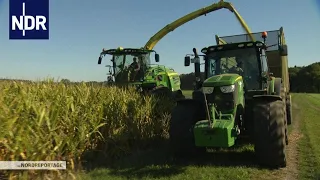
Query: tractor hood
[221, 80]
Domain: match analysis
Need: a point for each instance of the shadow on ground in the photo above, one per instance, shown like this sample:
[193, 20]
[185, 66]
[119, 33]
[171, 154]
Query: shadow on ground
[159, 162]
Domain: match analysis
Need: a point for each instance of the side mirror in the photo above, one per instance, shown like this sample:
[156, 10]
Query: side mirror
[157, 57]
[284, 50]
[187, 61]
[100, 59]
[195, 52]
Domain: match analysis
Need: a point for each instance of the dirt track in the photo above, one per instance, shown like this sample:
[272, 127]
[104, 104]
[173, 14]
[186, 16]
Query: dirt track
[291, 171]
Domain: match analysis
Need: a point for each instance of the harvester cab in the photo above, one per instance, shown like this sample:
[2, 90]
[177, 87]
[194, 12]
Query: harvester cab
[237, 98]
[132, 66]
[128, 65]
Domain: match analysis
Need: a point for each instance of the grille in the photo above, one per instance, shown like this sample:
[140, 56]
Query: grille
[223, 101]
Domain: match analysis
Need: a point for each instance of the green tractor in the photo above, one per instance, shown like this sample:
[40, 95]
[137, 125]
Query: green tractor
[238, 98]
[131, 66]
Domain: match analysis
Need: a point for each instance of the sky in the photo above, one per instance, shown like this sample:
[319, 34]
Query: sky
[80, 29]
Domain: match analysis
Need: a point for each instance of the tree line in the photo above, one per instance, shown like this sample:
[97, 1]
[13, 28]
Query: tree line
[302, 79]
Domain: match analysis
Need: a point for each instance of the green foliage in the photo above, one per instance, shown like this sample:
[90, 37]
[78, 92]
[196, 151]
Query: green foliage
[302, 79]
[187, 80]
[55, 121]
[305, 79]
[309, 147]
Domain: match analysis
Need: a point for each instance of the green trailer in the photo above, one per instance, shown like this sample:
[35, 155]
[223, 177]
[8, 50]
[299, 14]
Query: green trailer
[238, 97]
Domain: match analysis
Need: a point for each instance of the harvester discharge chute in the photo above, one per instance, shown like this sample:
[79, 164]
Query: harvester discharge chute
[242, 95]
[156, 78]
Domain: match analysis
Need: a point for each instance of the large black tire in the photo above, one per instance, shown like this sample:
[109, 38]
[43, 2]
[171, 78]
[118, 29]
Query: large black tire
[289, 110]
[279, 89]
[269, 133]
[162, 91]
[285, 113]
[183, 118]
[178, 95]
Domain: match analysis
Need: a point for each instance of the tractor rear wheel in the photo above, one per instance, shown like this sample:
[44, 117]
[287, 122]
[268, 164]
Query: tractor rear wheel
[183, 118]
[289, 109]
[279, 89]
[270, 133]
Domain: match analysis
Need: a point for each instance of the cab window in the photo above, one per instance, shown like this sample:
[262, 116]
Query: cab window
[264, 61]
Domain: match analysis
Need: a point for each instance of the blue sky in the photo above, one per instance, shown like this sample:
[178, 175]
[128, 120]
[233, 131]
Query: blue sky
[80, 29]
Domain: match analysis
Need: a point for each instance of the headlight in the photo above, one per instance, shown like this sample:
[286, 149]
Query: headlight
[207, 90]
[227, 89]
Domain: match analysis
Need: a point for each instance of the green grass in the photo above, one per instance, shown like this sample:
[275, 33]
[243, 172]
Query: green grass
[309, 146]
[187, 93]
[232, 164]
[236, 163]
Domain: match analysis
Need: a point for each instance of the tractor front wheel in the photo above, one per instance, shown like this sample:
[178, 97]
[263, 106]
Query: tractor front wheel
[270, 133]
[183, 118]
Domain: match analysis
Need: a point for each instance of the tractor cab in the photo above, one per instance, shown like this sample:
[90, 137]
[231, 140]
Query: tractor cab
[129, 65]
[245, 60]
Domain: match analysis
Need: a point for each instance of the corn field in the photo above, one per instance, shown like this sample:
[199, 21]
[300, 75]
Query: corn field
[43, 121]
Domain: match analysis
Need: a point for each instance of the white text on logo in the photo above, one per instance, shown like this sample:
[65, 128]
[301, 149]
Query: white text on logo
[26, 22]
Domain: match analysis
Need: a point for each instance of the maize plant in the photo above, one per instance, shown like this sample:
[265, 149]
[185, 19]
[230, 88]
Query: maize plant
[42, 121]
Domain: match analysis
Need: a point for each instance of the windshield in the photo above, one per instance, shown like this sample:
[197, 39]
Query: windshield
[239, 61]
[129, 67]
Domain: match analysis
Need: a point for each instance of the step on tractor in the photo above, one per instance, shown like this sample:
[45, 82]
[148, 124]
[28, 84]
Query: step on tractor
[155, 79]
[131, 66]
[239, 97]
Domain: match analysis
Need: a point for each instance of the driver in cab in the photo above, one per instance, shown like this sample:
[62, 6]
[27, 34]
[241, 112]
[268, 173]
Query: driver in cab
[135, 67]
[238, 67]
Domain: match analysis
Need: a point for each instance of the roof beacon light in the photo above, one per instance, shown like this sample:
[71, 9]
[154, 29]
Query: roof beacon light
[264, 34]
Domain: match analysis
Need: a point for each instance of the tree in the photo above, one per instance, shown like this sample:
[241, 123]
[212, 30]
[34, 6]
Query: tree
[65, 81]
[302, 79]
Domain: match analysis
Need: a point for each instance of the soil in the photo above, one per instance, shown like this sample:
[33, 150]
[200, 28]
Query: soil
[291, 171]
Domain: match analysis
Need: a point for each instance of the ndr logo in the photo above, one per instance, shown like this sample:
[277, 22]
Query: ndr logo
[29, 19]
